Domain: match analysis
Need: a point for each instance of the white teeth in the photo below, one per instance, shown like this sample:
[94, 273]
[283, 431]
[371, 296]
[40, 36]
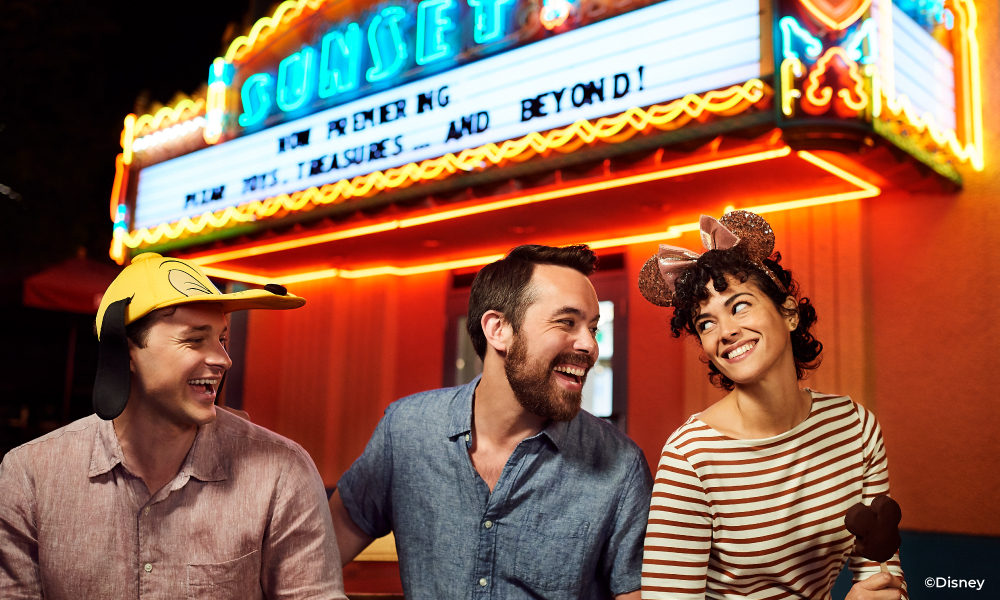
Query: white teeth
[572, 370]
[203, 382]
[741, 350]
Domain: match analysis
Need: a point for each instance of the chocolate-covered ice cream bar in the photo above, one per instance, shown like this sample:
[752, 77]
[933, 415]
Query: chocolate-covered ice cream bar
[876, 528]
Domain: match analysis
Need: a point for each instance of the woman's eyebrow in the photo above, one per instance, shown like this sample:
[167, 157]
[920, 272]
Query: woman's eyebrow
[732, 298]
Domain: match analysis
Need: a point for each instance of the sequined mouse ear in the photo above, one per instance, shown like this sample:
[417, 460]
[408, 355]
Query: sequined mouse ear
[756, 235]
[652, 286]
[756, 239]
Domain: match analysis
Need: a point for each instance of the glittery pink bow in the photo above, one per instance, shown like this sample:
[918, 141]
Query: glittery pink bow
[672, 260]
[656, 280]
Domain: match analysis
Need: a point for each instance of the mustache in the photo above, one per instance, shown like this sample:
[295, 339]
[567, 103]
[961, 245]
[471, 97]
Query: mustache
[575, 359]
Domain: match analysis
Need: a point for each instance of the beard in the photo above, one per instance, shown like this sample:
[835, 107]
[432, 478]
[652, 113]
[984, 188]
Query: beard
[532, 385]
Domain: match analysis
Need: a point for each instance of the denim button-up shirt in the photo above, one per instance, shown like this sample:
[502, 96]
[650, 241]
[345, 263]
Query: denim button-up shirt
[566, 519]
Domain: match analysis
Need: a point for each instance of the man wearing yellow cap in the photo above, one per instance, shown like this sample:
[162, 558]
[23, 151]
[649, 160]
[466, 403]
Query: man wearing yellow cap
[159, 495]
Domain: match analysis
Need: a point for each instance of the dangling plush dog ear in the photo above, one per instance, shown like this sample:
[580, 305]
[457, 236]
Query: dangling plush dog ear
[114, 379]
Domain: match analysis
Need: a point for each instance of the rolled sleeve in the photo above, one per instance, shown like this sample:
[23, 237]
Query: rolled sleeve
[299, 555]
[20, 577]
[365, 488]
[623, 560]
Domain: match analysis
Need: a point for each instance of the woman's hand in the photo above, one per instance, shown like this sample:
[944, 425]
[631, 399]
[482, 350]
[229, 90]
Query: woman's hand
[881, 586]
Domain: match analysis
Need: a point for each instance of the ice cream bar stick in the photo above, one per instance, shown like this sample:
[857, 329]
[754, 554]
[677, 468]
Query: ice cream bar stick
[885, 569]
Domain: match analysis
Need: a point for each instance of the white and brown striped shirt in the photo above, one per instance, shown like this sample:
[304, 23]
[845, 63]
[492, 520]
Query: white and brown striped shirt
[763, 518]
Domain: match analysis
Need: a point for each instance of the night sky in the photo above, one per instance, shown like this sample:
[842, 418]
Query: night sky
[70, 71]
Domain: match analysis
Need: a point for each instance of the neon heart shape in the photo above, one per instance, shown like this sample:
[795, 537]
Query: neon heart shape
[836, 14]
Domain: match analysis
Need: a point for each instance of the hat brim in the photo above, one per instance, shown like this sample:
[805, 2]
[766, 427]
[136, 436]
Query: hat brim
[243, 300]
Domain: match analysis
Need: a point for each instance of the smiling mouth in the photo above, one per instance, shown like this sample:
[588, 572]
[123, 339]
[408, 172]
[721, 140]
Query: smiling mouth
[208, 386]
[739, 351]
[575, 374]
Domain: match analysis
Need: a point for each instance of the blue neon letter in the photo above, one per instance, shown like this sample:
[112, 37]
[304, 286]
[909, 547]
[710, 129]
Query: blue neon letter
[255, 89]
[433, 11]
[392, 16]
[490, 22]
[296, 76]
[340, 61]
[854, 43]
[790, 29]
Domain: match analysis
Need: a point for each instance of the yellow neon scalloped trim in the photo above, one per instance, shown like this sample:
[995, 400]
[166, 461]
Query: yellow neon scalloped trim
[264, 26]
[171, 114]
[615, 129]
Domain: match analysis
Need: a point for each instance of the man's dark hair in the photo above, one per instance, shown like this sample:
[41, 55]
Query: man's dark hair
[138, 331]
[505, 285]
[691, 288]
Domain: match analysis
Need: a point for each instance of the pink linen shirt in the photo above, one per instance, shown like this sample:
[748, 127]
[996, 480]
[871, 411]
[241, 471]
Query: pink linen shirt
[245, 518]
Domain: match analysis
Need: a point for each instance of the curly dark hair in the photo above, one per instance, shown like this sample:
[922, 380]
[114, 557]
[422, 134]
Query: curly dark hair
[691, 288]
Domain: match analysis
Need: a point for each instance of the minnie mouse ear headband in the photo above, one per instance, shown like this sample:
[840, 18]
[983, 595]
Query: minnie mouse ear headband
[739, 227]
[149, 283]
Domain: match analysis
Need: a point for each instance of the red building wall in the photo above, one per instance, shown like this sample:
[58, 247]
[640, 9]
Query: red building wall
[324, 374]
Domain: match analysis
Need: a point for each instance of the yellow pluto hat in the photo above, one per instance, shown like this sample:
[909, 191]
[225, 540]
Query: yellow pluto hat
[151, 282]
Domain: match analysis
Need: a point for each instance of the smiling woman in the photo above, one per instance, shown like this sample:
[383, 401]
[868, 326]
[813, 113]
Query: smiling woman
[723, 274]
[750, 494]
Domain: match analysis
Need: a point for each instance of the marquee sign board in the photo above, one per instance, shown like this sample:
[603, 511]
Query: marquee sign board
[327, 97]
[649, 55]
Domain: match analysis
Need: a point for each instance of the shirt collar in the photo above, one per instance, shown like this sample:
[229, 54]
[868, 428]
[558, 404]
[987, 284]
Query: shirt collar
[106, 452]
[556, 432]
[461, 416]
[204, 461]
[461, 410]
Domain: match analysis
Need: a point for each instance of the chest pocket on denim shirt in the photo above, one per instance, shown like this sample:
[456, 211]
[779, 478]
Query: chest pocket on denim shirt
[238, 579]
[552, 551]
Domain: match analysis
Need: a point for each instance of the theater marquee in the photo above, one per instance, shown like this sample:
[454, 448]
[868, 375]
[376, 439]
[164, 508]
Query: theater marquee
[316, 105]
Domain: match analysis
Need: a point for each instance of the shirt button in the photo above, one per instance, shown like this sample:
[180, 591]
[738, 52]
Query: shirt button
[148, 567]
[468, 437]
[147, 510]
[482, 582]
[488, 524]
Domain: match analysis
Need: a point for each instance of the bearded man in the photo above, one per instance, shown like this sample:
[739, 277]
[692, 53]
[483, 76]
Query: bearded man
[503, 488]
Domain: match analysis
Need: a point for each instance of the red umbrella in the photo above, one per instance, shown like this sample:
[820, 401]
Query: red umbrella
[75, 285]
